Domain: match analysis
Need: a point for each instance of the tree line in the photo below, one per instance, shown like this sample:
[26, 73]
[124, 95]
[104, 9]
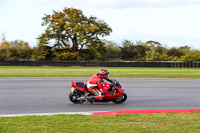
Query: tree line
[110, 51]
[72, 36]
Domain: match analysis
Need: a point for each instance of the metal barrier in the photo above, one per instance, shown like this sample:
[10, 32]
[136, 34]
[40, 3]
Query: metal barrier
[102, 64]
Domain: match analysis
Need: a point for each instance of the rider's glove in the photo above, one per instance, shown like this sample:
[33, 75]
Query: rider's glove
[114, 81]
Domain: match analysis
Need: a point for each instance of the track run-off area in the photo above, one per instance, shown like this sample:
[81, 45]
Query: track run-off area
[20, 96]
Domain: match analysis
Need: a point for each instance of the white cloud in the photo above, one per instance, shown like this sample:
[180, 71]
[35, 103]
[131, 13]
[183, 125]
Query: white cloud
[139, 20]
[111, 3]
[138, 3]
[118, 3]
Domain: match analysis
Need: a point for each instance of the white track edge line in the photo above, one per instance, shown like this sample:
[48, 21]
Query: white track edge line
[50, 114]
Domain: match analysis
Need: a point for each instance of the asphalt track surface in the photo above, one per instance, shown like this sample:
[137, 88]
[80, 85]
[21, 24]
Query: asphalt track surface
[50, 95]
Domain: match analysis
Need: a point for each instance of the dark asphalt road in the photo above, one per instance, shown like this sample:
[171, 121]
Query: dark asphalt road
[50, 95]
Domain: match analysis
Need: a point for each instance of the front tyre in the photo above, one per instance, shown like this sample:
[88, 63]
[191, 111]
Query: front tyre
[122, 99]
[73, 97]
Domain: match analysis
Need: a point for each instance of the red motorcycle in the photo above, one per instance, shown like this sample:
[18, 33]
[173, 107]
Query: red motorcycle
[80, 94]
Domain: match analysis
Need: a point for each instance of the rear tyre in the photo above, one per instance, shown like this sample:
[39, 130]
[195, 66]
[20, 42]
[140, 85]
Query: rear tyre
[73, 97]
[121, 100]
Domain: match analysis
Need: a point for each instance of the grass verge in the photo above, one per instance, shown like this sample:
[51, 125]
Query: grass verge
[138, 123]
[117, 72]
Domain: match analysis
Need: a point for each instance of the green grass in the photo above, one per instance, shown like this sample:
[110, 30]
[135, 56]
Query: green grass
[137, 123]
[145, 123]
[116, 72]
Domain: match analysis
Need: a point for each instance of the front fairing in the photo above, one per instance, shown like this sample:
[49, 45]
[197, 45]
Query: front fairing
[119, 90]
[118, 84]
[119, 87]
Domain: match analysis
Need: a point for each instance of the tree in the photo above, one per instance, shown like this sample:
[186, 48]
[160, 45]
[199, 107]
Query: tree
[113, 51]
[15, 50]
[175, 52]
[21, 50]
[127, 50]
[71, 31]
[3, 37]
[42, 53]
[4, 45]
[139, 50]
[191, 56]
[153, 51]
[131, 51]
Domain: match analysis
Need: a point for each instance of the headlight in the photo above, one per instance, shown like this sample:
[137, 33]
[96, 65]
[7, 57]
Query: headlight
[72, 89]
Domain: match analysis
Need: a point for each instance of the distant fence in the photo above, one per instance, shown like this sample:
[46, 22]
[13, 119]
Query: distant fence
[102, 64]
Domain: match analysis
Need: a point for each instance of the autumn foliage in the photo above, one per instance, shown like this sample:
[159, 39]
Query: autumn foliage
[72, 35]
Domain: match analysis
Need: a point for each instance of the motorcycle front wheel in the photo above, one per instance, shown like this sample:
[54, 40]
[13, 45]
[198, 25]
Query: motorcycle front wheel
[123, 98]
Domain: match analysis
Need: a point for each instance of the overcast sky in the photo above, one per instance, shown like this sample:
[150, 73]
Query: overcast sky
[170, 22]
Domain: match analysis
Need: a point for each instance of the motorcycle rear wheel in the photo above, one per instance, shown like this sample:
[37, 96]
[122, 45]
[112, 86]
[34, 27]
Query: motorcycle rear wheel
[73, 98]
[123, 99]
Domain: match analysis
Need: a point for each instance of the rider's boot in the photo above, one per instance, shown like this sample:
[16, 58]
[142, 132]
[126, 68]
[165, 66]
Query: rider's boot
[91, 99]
[99, 97]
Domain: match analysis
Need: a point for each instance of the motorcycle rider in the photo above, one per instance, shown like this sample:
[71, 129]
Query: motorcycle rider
[95, 83]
